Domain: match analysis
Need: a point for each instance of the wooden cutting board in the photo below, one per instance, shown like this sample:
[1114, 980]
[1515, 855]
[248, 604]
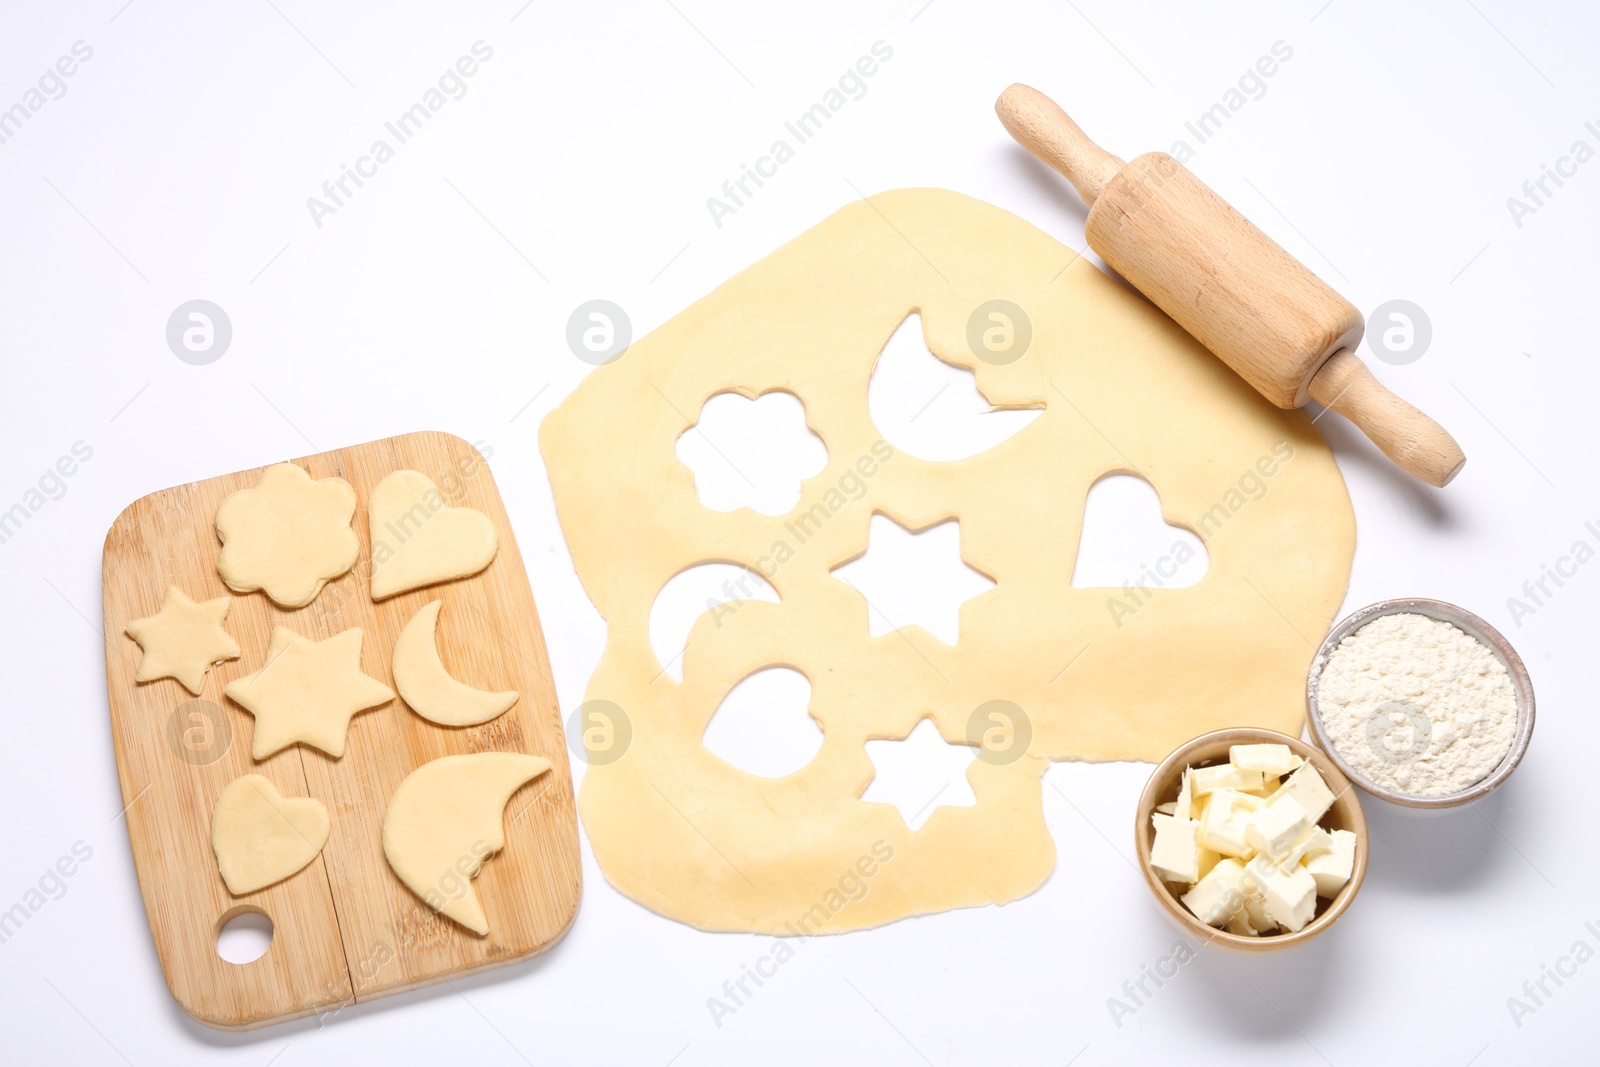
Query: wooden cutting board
[345, 928]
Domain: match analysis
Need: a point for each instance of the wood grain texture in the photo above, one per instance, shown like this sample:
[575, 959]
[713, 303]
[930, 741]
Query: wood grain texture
[1039, 125]
[1235, 289]
[1416, 443]
[345, 928]
[1230, 285]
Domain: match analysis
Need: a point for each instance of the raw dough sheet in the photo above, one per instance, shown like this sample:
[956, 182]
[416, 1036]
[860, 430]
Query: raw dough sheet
[1123, 388]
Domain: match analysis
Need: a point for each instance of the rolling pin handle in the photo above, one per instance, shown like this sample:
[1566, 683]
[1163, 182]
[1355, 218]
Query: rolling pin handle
[1416, 443]
[1039, 125]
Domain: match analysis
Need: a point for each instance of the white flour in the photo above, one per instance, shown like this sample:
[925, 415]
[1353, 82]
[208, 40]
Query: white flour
[1416, 705]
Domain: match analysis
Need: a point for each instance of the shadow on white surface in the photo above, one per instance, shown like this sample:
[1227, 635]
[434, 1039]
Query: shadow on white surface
[1455, 850]
[1360, 461]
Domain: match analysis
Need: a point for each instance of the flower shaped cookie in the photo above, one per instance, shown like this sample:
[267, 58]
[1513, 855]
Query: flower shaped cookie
[288, 536]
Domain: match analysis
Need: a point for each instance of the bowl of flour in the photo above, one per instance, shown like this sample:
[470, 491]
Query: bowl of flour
[1420, 703]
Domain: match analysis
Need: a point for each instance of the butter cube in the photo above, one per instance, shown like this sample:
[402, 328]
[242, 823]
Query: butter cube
[1288, 896]
[1330, 868]
[1208, 860]
[1255, 908]
[1205, 780]
[1240, 924]
[1184, 808]
[1227, 815]
[1218, 896]
[1169, 808]
[1226, 819]
[1276, 827]
[1317, 840]
[1308, 790]
[1176, 852]
[1270, 760]
[1268, 786]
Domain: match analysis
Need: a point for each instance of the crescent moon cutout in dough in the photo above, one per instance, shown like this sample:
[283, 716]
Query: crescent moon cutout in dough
[427, 687]
[444, 820]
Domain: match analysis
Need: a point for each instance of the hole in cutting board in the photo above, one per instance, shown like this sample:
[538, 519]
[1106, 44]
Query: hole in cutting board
[751, 453]
[931, 410]
[762, 725]
[715, 587]
[920, 774]
[913, 578]
[245, 937]
[1125, 539]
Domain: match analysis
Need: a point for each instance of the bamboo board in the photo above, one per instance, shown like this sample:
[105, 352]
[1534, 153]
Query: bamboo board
[345, 928]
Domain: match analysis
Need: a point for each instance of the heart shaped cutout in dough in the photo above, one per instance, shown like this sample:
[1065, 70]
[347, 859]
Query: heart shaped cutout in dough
[261, 836]
[418, 539]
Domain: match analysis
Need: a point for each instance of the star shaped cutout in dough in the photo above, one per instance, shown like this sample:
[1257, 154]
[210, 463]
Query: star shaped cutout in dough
[920, 774]
[307, 692]
[914, 577]
[182, 640]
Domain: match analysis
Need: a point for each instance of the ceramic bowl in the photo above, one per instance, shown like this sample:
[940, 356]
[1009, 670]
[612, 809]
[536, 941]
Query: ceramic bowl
[1472, 625]
[1212, 748]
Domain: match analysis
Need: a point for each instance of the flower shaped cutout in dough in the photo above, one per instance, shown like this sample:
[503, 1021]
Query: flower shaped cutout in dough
[288, 536]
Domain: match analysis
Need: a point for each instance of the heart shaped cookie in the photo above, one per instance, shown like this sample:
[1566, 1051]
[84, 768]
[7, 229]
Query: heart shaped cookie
[418, 539]
[261, 836]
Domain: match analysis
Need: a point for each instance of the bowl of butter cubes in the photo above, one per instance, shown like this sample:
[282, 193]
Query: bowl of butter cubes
[1251, 840]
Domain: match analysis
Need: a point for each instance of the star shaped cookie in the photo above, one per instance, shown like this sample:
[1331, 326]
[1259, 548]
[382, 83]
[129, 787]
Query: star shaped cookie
[182, 640]
[307, 692]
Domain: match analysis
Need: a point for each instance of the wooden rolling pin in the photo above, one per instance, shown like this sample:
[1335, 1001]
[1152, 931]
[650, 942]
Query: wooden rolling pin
[1283, 329]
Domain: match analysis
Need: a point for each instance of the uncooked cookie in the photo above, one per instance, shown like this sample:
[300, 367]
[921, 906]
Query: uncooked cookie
[1100, 673]
[182, 640]
[445, 819]
[417, 539]
[307, 692]
[261, 836]
[288, 536]
[428, 689]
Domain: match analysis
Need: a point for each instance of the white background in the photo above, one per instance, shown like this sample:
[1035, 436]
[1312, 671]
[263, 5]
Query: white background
[178, 163]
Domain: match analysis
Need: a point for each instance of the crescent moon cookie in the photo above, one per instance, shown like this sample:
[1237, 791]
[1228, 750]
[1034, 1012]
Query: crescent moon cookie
[288, 536]
[1109, 673]
[418, 539]
[428, 689]
[445, 819]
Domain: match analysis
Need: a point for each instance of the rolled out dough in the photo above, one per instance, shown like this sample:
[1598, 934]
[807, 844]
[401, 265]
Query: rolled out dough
[1123, 389]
